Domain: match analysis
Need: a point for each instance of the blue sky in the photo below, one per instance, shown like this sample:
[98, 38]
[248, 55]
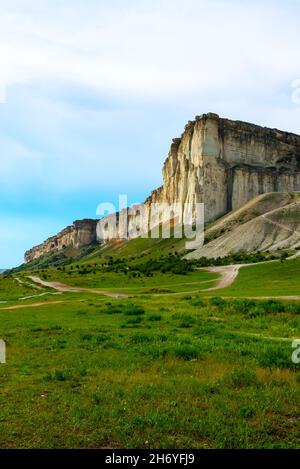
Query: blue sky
[96, 90]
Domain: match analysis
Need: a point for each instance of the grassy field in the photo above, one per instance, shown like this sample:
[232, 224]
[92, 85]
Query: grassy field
[154, 369]
[270, 279]
[274, 278]
[11, 288]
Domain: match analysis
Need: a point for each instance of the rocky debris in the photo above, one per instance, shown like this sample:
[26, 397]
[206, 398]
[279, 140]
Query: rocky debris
[270, 222]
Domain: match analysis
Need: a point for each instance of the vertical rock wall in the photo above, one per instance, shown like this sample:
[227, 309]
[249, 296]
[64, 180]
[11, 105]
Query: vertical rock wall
[219, 162]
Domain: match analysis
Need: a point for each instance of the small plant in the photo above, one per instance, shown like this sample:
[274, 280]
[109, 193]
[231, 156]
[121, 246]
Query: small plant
[86, 337]
[186, 352]
[240, 377]
[135, 320]
[134, 310]
[59, 375]
[219, 302]
[140, 338]
[113, 309]
[247, 412]
[155, 317]
[276, 357]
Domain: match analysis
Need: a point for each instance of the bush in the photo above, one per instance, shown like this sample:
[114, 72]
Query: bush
[140, 338]
[59, 376]
[186, 352]
[134, 310]
[219, 302]
[256, 312]
[155, 317]
[276, 357]
[293, 308]
[273, 306]
[113, 309]
[247, 412]
[135, 320]
[240, 377]
[185, 320]
[199, 303]
[86, 337]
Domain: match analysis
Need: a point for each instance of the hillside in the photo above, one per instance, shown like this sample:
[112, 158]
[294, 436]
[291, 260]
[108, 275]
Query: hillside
[269, 222]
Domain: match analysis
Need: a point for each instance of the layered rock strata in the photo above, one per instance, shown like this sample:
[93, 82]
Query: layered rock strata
[219, 162]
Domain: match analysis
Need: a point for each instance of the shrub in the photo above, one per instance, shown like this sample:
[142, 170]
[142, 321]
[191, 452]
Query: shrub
[276, 357]
[240, 377]
[293, 308]
[256, 312]
[59, 375]
[246, 412]
[273, 306]
[113, 309]
[140, 338]
[244, 305]
[155, 317]
[132, 310]
[186, 321]
[135, 320]
[186, 352]
[199, 303]
[219, 302]
[86, 337]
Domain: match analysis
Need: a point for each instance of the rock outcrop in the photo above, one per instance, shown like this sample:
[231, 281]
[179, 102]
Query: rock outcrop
[80, 234]
[225, 163]
[219, 162]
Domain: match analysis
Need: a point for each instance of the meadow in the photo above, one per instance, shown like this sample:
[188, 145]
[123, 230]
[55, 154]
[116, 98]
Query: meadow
[198, 369]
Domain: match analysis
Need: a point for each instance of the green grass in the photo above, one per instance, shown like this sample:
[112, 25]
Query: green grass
[196, 369]
[270, 279]
[114, 282]
[149, 372]
[11, 289]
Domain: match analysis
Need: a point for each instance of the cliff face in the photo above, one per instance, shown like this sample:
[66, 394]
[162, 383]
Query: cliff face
[219, 162]
[225, 163]
[81, 233]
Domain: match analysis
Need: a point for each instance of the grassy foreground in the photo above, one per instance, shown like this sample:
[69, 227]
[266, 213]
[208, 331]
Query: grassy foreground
[270, 279]
[87, 371]
[154, 369]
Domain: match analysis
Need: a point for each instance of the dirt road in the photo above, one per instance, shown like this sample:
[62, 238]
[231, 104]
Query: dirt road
[31, 305]
[228, 275]
[62, 287]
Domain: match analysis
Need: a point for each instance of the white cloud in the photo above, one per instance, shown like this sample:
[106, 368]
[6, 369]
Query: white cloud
[153, 50]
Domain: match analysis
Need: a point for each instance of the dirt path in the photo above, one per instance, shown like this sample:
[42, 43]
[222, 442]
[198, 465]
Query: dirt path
[27, 284]
[32, 305]
[62, 287]
[228, 275]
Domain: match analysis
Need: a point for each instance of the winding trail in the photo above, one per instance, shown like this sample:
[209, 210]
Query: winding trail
[62, 287]
[228, 275]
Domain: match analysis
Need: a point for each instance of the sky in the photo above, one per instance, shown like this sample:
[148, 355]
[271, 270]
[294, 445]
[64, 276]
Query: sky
[93, 91]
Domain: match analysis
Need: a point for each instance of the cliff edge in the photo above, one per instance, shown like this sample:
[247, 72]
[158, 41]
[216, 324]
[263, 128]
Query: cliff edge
[220, 162]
